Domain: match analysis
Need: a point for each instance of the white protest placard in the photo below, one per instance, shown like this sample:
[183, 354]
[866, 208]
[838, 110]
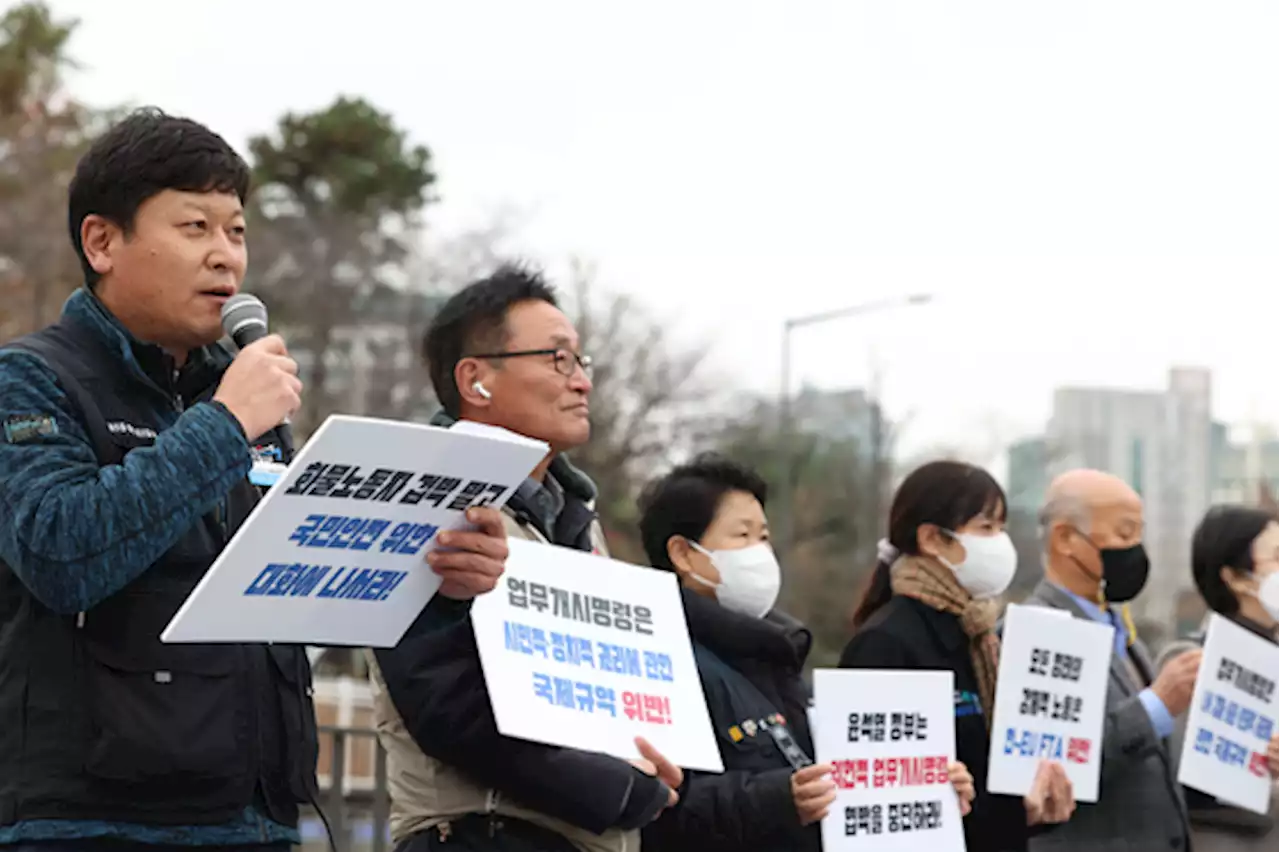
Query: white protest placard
[890, 736]
[589, 653]
[1051, 693]
[1232, 717]
[335, 552]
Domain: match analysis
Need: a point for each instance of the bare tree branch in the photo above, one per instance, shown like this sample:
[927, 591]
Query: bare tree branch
[42, 134]
[643, 385]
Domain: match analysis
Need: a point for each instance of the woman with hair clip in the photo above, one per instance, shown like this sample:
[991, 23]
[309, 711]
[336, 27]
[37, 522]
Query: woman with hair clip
[931, 604]
[1235, 556]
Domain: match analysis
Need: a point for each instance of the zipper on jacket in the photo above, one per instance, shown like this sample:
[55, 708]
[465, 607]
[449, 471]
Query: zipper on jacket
[179, 403]
[221, 513]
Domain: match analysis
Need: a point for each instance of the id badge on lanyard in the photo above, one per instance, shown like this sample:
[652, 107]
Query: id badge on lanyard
[790, 748]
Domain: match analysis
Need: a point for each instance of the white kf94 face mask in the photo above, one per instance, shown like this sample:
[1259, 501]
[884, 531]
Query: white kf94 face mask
[989, 564]
[1269, 594]
[750, 578]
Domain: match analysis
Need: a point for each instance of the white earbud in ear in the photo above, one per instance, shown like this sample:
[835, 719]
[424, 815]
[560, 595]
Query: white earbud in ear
[482, 390]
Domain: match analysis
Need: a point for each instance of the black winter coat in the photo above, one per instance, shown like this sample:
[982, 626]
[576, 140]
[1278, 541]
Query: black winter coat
[751, 672]
[907, 634]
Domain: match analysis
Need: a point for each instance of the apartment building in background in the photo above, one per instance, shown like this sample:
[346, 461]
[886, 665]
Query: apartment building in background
[1246, 463]
[1028, 477]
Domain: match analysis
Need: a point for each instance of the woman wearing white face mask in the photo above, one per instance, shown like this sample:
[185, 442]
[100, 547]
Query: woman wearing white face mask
[1235, 556]
[706, 522]
[932, 604]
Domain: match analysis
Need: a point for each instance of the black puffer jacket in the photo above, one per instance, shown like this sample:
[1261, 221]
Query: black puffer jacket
[758, 701]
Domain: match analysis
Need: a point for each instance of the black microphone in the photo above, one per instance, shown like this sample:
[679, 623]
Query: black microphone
[244, 319]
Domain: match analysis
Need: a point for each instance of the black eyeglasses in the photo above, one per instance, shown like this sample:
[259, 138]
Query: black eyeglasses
[566, 361]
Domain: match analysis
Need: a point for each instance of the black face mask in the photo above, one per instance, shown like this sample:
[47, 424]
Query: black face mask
[1124, 570]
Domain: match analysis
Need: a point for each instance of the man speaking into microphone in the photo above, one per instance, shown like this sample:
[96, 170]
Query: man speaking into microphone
[127, 442]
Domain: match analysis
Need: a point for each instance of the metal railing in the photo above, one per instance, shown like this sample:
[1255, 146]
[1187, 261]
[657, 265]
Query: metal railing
[342, 801]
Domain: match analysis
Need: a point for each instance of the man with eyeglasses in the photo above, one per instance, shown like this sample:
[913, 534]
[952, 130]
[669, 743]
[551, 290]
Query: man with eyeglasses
[502, 353]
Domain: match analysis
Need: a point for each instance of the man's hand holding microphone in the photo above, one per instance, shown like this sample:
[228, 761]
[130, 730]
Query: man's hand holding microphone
[261, 388]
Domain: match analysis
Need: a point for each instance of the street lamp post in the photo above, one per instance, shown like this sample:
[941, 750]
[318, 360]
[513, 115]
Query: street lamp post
[785, 425]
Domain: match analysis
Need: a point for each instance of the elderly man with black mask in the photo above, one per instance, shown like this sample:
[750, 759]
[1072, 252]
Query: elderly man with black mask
[1095, 564]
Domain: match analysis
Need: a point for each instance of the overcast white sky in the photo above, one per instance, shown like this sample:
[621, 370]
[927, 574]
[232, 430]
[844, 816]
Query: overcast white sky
[1091, 188]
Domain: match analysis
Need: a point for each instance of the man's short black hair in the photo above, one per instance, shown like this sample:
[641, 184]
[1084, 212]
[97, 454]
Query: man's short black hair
[1224, 539]
[685, 501]
[473, 321]
[144, 154]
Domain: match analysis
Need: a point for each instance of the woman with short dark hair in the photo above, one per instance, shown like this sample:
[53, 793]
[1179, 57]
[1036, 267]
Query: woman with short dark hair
[931, 604]
[1235, 557]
